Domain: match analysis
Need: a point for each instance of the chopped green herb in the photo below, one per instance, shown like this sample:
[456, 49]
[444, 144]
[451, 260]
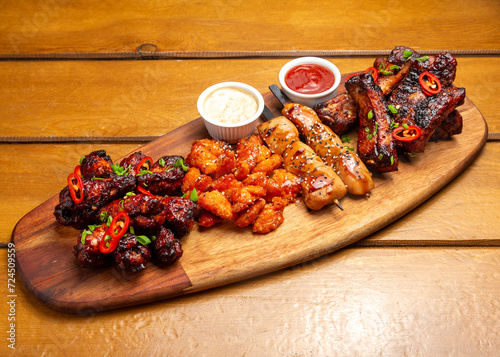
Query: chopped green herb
[103, 216]
[394, 66]
[345, 139]
[194, 195]
[180, 162]
[392, 109]
[161, 162]
[405, 126]
[128, 194]
[370, 114]
[370, 136]
[144, 240]
[84, 235]
[110, 219]
[92, 227]
[131, 229]
[380, 156]
[407, 54]
[381, 69]
[144, 172]
[392, 160]
[367, 129]
[423, 58]
[121, 171]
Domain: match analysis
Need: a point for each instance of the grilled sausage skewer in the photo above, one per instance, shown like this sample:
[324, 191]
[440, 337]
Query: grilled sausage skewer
[328, 146]
[321, 186]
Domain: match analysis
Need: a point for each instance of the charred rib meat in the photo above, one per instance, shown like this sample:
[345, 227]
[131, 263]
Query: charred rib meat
[414, 107]
[338, 113]
[375, 143]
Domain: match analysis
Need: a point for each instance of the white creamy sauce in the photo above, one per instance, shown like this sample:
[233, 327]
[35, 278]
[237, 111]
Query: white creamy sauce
[230, 105]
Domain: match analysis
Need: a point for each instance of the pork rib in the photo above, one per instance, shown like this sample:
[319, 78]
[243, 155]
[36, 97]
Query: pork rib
[376, 147]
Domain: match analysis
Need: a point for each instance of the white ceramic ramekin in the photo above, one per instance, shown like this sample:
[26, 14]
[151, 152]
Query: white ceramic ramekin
[309, 100]
[230, 132]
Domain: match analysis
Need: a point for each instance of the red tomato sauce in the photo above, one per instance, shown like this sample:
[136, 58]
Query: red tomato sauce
[309, 78]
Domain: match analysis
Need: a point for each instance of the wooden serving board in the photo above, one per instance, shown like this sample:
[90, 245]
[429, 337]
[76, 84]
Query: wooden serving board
[225, 254]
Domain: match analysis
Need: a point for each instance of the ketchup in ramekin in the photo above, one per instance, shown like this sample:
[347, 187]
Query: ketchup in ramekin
[309, 78]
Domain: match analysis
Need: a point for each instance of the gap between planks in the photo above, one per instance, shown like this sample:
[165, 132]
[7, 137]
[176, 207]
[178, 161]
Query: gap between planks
[149, 52]
[494, 136]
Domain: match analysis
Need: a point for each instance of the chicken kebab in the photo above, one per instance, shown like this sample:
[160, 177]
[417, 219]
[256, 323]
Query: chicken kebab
[127, 213]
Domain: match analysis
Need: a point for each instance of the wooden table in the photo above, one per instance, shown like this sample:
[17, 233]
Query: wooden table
[79, 76]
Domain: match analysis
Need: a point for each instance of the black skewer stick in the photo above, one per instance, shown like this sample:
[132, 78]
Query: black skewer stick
[267, 113]
[279, 94]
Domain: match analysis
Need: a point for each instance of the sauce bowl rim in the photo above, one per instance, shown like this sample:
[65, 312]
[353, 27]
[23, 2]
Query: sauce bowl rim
[239, 85]
[309, 60]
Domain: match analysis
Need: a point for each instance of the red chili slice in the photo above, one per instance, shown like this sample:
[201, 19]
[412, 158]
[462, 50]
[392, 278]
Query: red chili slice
[410, 133]
[375, 73]
[144, 191]
[429, 83]
[350, 76]
[75, 186]
[143, 163]
[116, 230]
[78, 170]
[118, 227]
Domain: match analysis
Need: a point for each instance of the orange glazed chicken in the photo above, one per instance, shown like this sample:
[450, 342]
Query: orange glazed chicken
[246, 185]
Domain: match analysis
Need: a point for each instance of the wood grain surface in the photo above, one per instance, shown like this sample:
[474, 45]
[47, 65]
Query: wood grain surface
[121, 99]
[225, 253]
[100, 29]
[385, 301]
[425, 285]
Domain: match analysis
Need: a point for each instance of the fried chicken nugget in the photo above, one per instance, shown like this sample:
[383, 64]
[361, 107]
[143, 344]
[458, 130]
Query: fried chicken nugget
[195, 179]
[227, 185]
[208, 219]
[271, 216]
[217, 203]
[288, 183]
[213, 157]
[269, 164]
[249, 152]
[246, 196]
[250, 214]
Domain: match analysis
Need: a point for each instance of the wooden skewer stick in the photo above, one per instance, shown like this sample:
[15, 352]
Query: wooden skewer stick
[338, 205]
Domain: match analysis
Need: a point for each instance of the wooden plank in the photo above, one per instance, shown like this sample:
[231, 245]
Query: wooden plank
[391, 302]
[151, 98]
[119, 29]
[236, 254]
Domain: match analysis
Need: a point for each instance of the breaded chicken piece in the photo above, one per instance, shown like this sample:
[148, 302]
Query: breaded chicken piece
[217, 203]
[213, 157]
[195, 179]
[249, 152]
[250, 214]
[271, 216]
